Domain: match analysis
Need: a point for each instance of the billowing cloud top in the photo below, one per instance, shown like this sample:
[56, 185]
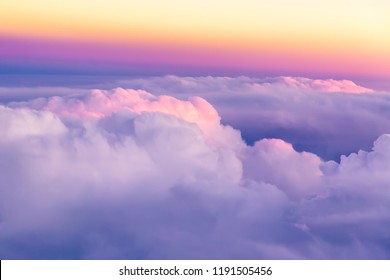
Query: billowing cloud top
[126, 174]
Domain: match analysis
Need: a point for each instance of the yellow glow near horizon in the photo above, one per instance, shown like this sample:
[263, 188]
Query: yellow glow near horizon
[342, 27]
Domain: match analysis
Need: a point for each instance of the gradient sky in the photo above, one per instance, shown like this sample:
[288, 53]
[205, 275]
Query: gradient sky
[331, 38]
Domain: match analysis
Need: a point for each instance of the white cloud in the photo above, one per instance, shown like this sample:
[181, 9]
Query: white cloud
[297, 174]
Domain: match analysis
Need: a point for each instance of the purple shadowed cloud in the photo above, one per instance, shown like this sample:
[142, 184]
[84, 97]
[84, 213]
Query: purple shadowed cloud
[127, 174]
[327, 117]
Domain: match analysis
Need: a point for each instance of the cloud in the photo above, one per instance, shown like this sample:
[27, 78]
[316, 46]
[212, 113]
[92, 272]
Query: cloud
[125, 174]
[207, 84]
[298, 174]
[329, 85]
[20, 94]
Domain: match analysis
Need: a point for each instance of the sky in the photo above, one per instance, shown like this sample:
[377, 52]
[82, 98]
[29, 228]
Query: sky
[326, 39]
[194, 129]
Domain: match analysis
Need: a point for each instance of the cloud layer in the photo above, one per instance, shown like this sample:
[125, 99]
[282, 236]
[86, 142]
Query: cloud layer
[327, 117]
[126, 174]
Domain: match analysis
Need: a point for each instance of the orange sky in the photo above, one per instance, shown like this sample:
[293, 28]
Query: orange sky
[342, 36]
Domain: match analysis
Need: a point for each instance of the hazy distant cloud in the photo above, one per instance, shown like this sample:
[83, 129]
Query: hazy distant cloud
[318, 85]
[9, 94]
[208, 84]
[128, 174]
[327, 117]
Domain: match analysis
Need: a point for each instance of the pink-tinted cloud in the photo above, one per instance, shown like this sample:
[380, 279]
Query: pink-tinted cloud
[329, 85]
[100, 104]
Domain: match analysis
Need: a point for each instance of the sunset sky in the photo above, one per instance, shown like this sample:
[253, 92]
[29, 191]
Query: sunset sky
[282, 37]
[183, 129]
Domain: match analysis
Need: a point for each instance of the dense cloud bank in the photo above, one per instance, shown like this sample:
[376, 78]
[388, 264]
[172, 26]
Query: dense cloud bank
[128, 174]
[327, 117]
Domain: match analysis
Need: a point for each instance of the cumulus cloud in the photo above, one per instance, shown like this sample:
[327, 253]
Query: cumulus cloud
[126, 174]
[298, 174]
